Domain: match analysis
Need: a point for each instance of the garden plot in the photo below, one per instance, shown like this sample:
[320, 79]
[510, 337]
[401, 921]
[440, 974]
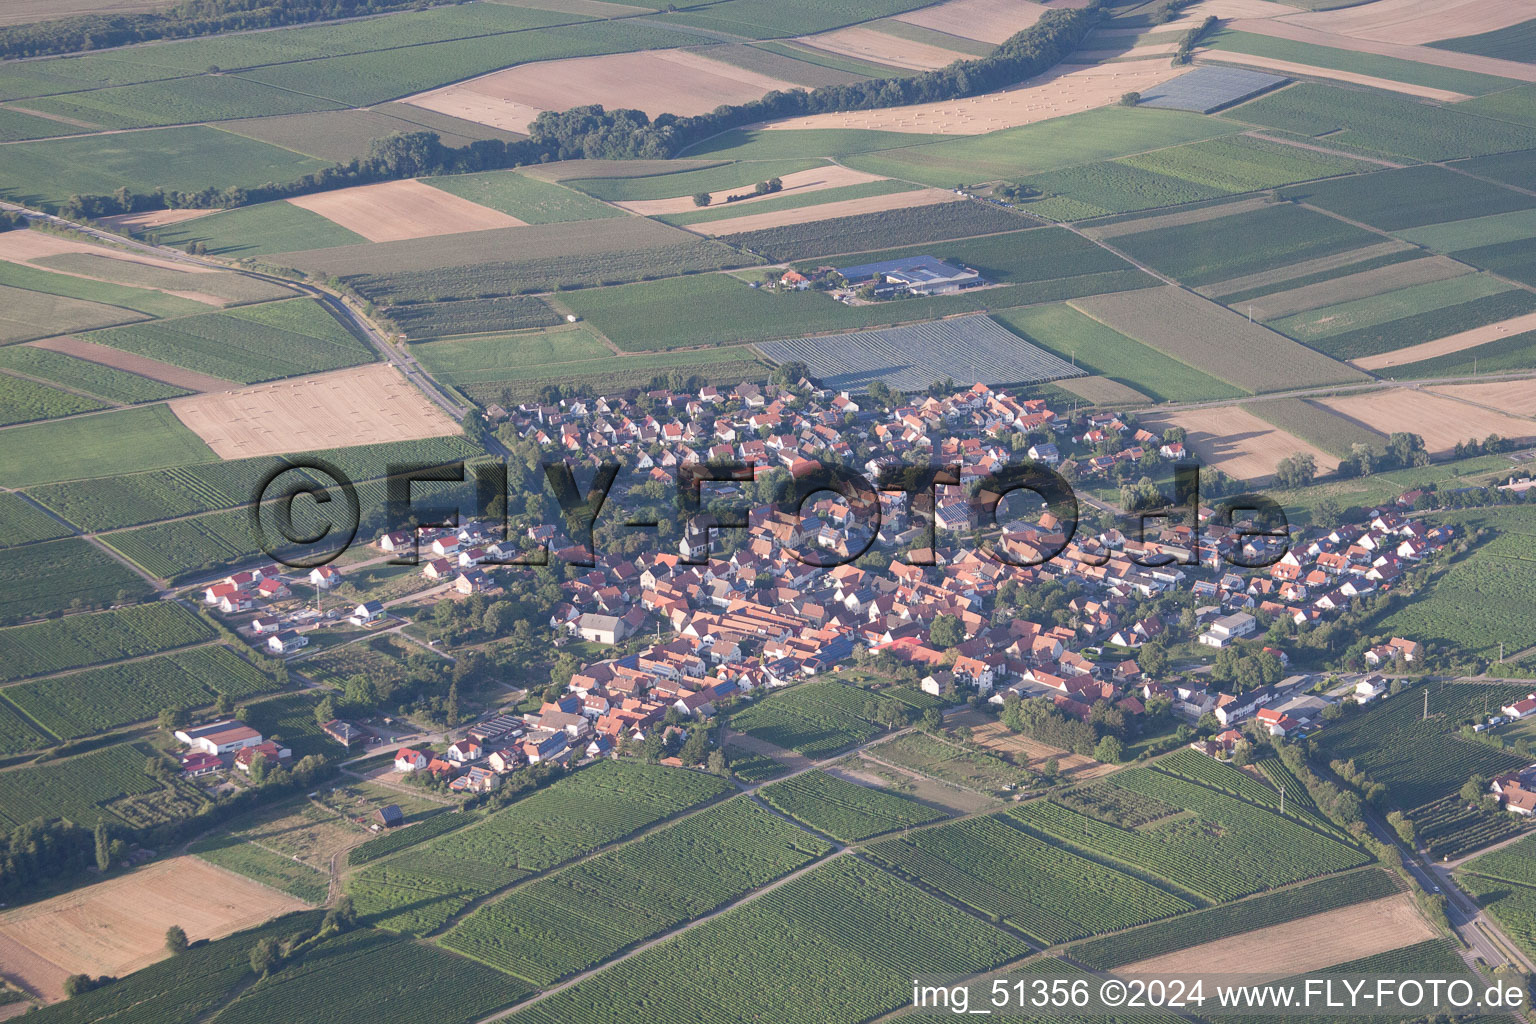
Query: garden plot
[1458, 342]
[655, 81]
[118, 926]
[796, 182]
[366, 405]
[1237, 442]
[396, 210]
[1065, 89]
[990, 21]
[1296, 947]
[1209, 88]
[969, 348]
[865, 43]
[825, 211]
[1417, 21]
[1441, 421]
[1214, 340]
[1511, 396]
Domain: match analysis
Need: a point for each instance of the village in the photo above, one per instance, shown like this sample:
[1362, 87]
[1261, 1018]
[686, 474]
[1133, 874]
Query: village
[736, 614]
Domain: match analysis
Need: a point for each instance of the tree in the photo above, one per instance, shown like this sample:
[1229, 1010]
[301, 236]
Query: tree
[1051, 769]
[1130, 99]
[325, 711]
[1327, 514]
[474, 428]
[225, 704]
[175, 939]
[1474, 788]
[172, 719]
[1152, 659]
[103, 847]
[946, 632]
[701, 199]
[258, 769]
[451, 706]
[1403, 826]
[717, 763]
[932, 720]
[264, 956]
[1296, 470]
[1109, 750]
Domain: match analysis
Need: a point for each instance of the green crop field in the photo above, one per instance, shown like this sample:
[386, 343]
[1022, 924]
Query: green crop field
[37, 579]
[472, 316]
[231, 288]
[1427, 326]
[885, 229]
[189, 158]
[246, 344]
[1072, 335]
[801, 143]
[1316, 424]
[508, 357]
[1515, 260]
[418, 891]
[1242, 163]
[785, 17]
[950, 762]
[727, 365]
[1229, 848]
[38, 314]
[1374, 311]
[1474, 232]
[739, 175]
[79, 640]
[1518, 169]
[341, 135]
[1016, 153]
[183, 548]
[23, 400]
[839, 945]
[1515, 863]
[19, 733]
[527, 199]
[75, 788]
[1049, 893]
[558, 926]
[98, 699]
[1392, 68]
[789, 201]
[177, 101]
[1516, 42]
[81, 375]
[1235, 918]
[274, 870]
[843, 809]
[138, 300]
[1208, 251]
[256, 230]
[1410, 197]
[367, 977]
[1450, 828]
[22, 522]
[1109, 186]
[814, 719]
[1384, 123]
[1511, 904]
[1516, 352]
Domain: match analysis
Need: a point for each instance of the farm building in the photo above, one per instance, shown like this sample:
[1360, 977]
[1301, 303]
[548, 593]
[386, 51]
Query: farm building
[919, 275]
[344, 733]
[389, 816]
[220, 737]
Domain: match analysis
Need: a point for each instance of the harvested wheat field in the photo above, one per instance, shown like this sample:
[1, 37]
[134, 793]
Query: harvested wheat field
[987, 21]
[1296, 947]
[1517, 397]
[1285, 29]
[883, 48]
[118, 926]
[1441, 421]
[365, 405]
[1288, 67]
[395, 210]
[1451, 343]
[1419, 21]
[26, 246]
[826, 211]
[141, 365]
[153, 218]
[1066, 89]
[655, 81]
[812, 180]
[1237, 442]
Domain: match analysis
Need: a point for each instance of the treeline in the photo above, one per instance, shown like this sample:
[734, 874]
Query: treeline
[593, 132]
[183, 21]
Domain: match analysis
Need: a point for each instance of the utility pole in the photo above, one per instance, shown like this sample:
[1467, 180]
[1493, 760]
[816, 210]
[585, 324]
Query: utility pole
[1282, 801]
[1426, 705]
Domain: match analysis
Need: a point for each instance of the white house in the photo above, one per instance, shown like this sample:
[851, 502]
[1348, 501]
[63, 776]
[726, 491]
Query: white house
[367, 612]
[286, 642]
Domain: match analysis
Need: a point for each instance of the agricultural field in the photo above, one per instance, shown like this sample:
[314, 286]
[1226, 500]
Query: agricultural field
[913, 358]
[22, 522]
[471, 316]
[528, 199]
[1511, 904]
[79, 640]
[786, 18]
[1209, 337]
[486, 360]
[99, 699]
[246, 344]
[1316, 424]
[1050, 894]
[122, 300]
[843, 809]
[1473, 232]
[1450, 828]
[1070, 334]
[888, 228]
[1440, 421]
[950, 762]
[687, 180]
[398, 839]
[196, 283]
[422, 889]
[1381, 123]
[39, 579]
[1279, 907]
[75, 788]
[1410, 197]
[24, 401]
[257, 231]
[104, 382]
[812, 205]
[1364, 280]
[839, 945]
[1419, 761]
[815, 719]
[1228, 849]
[341, 135]
[34, 314]
[374, 978]
[558, 926]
